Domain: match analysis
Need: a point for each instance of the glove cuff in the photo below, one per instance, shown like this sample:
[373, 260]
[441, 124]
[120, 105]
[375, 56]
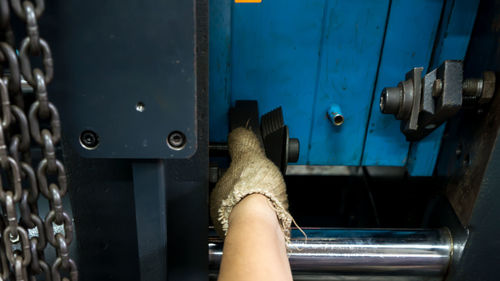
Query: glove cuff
[237, 195]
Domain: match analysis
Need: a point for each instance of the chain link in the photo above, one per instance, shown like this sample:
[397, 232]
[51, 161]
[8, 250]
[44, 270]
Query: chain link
[24, 233]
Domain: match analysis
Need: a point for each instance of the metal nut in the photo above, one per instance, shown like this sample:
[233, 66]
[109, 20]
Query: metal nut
[489, 80]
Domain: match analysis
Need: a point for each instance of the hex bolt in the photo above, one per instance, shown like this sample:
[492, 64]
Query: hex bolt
[89, 140]
[140, 107]
[472, 87]
[176, 140]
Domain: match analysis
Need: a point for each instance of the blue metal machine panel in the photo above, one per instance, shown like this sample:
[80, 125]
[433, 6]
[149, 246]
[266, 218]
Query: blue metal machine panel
[456, 28]
[309, 55]
[408, 43]
[352, 39]
[274, 59]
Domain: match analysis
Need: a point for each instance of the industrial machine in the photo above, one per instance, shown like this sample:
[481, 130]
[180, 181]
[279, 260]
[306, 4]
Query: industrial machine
[383, 117]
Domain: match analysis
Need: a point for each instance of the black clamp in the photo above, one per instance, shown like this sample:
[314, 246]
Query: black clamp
[271, 131]
[423, 104]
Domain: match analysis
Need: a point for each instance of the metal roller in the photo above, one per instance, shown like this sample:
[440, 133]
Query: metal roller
[362, 254]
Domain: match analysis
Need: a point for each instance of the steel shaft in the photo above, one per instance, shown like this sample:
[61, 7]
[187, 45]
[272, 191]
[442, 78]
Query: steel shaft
[362, 254]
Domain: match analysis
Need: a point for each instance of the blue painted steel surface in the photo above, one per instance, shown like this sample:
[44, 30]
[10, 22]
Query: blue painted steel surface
[453, 40]
[408, 43]
[301, 55]
[307, 55]
[352, 39]
[275, 59]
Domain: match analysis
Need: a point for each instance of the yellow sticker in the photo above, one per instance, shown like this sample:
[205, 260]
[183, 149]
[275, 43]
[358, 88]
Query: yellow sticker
[247, 1]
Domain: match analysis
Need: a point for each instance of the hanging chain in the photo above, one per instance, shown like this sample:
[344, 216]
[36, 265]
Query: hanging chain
[24, 234]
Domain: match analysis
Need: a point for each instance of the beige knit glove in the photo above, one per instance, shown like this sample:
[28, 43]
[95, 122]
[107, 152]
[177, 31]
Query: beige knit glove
[250, 172]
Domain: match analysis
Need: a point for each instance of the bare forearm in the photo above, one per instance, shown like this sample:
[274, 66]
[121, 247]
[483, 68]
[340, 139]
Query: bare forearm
[254, 248]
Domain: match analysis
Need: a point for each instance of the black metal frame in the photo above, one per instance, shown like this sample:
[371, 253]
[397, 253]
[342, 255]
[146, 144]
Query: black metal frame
[139, 219]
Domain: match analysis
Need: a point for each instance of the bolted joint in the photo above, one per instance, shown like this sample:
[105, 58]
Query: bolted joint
[480, 90]
[472, 87]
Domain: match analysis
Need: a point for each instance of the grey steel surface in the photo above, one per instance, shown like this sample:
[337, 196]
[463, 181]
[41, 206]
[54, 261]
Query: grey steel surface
[357, 254]
[112, 56]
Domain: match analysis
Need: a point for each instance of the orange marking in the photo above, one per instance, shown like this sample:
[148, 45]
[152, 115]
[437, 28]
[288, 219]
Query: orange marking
[247, 1]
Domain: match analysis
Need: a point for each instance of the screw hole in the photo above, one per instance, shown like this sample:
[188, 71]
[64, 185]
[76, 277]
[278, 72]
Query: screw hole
[176, 140]
[89, 140]
[140, 107]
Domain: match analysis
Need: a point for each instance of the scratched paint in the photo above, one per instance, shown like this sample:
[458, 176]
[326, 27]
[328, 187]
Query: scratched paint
[307, 55]
[409, 41]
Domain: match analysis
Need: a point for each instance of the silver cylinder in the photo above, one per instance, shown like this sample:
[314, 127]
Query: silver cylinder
[362, 254]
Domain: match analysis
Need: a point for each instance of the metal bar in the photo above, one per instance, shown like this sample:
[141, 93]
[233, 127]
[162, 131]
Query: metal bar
[362, 254]
[151, 218]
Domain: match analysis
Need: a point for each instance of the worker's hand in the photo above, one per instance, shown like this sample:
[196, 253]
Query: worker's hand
[250, 172]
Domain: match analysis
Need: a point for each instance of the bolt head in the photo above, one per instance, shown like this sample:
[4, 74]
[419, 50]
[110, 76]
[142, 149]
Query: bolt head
[390, 99]
[176, 140]
[89, 140]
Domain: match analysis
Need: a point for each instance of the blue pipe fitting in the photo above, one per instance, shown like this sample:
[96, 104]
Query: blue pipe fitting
[335, 115]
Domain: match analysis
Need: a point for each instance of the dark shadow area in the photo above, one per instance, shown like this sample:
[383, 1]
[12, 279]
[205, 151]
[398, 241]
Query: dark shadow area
[361, 201]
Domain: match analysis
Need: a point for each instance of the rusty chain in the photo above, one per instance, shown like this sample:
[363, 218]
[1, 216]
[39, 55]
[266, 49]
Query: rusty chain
[24, 233]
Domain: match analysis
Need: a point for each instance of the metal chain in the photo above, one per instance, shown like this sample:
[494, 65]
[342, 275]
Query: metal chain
[24, 233]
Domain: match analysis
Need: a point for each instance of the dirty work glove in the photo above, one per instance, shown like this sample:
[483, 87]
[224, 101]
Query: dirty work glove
[250, 172]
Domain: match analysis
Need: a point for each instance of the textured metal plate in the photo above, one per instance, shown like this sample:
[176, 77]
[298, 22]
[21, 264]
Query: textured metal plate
[111, 55]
